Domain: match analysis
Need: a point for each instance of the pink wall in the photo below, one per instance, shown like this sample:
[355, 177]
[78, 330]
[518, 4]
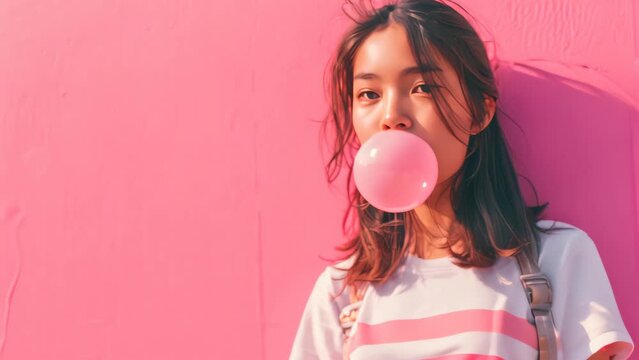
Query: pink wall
[161, 185]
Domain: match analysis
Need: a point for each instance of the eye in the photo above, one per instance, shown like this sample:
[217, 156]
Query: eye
[366, 92]
[426, 88]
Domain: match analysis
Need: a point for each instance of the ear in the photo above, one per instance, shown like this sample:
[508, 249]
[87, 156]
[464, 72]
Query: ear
[490, 104]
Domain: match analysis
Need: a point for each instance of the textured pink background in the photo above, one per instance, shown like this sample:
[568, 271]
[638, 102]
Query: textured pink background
[161, 185]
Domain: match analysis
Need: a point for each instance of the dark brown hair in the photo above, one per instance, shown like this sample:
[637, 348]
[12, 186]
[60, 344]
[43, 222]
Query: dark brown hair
[485, 194]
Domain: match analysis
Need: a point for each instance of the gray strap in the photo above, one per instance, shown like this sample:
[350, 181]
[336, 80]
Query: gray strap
[539, 293]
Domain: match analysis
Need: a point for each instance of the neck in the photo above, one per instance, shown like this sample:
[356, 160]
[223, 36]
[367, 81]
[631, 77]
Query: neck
[438, 219]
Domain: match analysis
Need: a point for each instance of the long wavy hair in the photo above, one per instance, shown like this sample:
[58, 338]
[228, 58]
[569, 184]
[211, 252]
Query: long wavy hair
[484, 192]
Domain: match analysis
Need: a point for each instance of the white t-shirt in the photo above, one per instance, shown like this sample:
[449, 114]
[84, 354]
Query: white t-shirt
[433, 309]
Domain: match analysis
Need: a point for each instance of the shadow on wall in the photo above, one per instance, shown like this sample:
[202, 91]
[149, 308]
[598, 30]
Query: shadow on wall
[577, 141]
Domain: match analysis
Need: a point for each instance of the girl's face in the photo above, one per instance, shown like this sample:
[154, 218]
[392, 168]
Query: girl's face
[389, 98]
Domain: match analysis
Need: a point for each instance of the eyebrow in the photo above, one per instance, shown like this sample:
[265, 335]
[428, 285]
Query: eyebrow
[407, 71]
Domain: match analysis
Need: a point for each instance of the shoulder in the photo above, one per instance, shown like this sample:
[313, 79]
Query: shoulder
[584, 308]
[561, 229]
[330, 281]
[565, 250]
[563, 238]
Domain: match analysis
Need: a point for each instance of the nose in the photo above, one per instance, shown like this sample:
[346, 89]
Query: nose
[396, 123]
[394, 118]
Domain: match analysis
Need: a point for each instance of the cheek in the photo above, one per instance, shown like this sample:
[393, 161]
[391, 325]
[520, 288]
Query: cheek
[450, 161]
[450, 154]
[363, 129]
[449, 150]
[359, 133]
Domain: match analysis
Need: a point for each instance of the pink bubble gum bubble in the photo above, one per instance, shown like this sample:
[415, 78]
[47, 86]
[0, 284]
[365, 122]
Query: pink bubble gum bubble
[395, 171]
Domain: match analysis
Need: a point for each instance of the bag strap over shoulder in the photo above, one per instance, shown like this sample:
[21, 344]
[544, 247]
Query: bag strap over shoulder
[539, 293]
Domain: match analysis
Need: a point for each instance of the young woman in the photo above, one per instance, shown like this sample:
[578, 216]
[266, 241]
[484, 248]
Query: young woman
[442, 281]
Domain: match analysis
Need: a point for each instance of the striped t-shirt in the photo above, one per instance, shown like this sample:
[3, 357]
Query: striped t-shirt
[433, 309]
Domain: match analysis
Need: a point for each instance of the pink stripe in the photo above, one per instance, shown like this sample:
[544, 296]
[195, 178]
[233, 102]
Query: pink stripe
[467, 357]
[442, 325]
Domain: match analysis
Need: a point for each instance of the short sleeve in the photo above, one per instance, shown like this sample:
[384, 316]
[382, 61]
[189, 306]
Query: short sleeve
[319, 335]
[584, 308]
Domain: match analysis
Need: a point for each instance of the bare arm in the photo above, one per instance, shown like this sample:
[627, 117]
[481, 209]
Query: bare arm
[607, 352]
